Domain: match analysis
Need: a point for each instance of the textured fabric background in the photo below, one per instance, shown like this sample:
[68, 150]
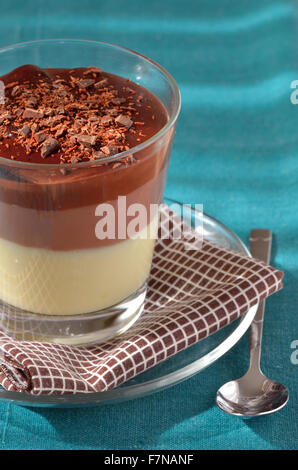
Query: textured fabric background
[236, 151]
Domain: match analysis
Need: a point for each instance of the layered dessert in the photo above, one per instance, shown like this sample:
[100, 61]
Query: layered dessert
[71, 141]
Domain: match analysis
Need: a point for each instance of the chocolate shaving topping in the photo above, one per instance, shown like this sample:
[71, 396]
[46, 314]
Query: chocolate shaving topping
[16, 90]
[32, 101]
[87, 140]
[72, 141]
[85, 83]
[32, 114]
[60, 110]
[49, 112]
[72, 118]
[62, 93]
[101, 84]
[98, 155]
[49, 146]
[35, 127]
[94, 119]
[40, 137]
[60, 132]
[92, 70]
[118, 100]
[5, 116]
[124, 121]
[109, 150]
[25, 131]
[107, 119]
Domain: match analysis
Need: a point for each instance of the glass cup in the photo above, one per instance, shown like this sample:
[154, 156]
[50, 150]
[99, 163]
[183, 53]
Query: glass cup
[61, 280]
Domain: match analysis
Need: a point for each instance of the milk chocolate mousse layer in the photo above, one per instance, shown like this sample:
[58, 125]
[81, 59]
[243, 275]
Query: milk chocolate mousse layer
[79, 120]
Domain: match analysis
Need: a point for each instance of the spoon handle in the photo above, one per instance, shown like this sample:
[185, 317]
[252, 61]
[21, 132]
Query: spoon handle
[260, 248]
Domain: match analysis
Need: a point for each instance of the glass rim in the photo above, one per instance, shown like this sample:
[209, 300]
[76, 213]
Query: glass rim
[114, 158]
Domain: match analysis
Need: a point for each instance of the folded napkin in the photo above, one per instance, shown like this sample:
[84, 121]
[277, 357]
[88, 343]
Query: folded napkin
[192, 293]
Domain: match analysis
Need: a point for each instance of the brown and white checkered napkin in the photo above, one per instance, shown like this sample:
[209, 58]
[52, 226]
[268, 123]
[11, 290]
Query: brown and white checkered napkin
[191, 294]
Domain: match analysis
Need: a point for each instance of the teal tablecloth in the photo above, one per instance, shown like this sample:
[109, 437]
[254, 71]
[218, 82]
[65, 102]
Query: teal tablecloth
[236, 151]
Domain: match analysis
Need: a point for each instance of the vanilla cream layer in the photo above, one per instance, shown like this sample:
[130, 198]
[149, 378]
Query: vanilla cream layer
[74, 282]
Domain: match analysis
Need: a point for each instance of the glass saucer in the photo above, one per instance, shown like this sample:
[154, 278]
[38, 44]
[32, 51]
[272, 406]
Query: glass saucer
[177, 368]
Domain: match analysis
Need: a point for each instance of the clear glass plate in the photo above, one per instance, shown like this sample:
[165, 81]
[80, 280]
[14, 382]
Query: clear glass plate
[176, 369]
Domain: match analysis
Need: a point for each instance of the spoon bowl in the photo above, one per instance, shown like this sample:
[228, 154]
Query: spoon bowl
[247, 398]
